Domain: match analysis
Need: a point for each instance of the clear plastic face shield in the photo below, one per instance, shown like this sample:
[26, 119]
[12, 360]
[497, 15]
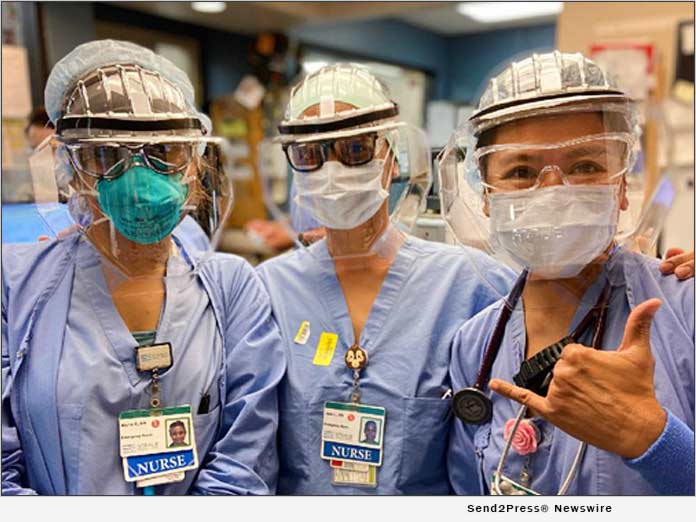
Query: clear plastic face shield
[132, 162]
[131, 194]
[356, 188]
[547, 193]
[358, 177]
[541, 186]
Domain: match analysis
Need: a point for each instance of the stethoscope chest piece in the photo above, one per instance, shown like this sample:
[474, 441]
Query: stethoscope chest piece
[472, 406]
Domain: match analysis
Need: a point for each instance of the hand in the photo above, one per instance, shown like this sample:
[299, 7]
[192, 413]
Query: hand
[312, 236]
[272, 233]
[679, 263]
[606, 399]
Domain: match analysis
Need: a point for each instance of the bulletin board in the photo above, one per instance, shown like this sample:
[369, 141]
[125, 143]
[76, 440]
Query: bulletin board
[649, 23]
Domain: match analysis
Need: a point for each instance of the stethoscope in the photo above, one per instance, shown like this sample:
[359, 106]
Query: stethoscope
[473, 406]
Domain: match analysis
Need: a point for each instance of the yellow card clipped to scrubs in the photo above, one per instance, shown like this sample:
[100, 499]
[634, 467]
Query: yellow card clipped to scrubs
[325, 349]
[154, 443]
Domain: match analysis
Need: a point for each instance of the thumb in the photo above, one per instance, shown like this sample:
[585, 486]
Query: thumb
[637, 331]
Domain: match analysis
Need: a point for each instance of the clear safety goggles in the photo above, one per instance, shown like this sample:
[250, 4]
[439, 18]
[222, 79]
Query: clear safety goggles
[111, 160]
[590, 160]
[351, 151]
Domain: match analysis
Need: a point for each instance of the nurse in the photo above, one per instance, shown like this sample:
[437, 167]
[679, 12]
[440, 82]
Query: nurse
[548, 152]
[368, 312]
[119, 332]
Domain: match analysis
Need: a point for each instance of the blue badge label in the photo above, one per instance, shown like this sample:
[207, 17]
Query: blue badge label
[142, 466]
[350, 453]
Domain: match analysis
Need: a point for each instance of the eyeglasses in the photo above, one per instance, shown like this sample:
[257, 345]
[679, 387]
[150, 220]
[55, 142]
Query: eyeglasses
[351, 151]
[596, 159]
[109, 161]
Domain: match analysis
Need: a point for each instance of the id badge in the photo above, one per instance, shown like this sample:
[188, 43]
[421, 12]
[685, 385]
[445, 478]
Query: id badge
[349, 466]
[347, 477]
[154, 443]
[169, 478]
[353, 433]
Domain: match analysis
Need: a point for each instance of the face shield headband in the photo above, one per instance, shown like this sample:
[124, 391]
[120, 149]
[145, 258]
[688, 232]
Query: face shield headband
[299, 128]
[126, 98]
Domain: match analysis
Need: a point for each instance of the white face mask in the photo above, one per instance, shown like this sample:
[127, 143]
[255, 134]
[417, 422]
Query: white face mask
[342, 197]
[555, 231]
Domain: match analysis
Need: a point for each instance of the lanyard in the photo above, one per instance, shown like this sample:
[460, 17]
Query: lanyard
[473, 406]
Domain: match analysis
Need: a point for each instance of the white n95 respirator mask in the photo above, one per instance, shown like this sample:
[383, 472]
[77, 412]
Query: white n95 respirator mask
[342, 197]
[554, 232]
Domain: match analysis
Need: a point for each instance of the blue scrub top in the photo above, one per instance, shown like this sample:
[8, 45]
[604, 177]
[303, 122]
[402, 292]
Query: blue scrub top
[429, 290]
[68, 370]
[97, 378]
[475, 449]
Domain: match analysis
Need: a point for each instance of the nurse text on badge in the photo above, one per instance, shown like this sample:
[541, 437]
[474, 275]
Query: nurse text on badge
[352, 432]
[150, 466]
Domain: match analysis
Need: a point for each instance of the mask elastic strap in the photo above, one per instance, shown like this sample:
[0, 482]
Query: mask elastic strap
[187, 179]
[112, 236]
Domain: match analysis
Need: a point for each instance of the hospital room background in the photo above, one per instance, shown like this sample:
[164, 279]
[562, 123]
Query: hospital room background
[242, 58]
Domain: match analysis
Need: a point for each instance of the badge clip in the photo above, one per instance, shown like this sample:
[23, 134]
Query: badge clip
[154, 357]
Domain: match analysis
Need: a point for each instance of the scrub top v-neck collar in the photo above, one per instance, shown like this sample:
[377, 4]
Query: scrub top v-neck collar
[516, 329]
[122, 341]
[335, 302]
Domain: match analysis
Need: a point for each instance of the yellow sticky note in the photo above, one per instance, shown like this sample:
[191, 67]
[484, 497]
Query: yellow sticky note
[325, 349]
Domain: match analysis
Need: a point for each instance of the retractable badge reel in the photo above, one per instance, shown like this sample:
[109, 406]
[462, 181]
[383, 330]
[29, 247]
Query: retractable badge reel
[356, 360]
[153, 359]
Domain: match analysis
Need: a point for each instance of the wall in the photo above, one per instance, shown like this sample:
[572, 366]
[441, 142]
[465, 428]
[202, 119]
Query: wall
[655, 22]
[474, 57]
[65, 25]
[68, 24]
[225, 61]
[383, 40]
[459, 64]
[223, 56]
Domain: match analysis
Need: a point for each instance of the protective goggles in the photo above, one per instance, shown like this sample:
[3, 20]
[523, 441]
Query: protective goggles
[110, 160]
[595, 159]
[351, 151]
